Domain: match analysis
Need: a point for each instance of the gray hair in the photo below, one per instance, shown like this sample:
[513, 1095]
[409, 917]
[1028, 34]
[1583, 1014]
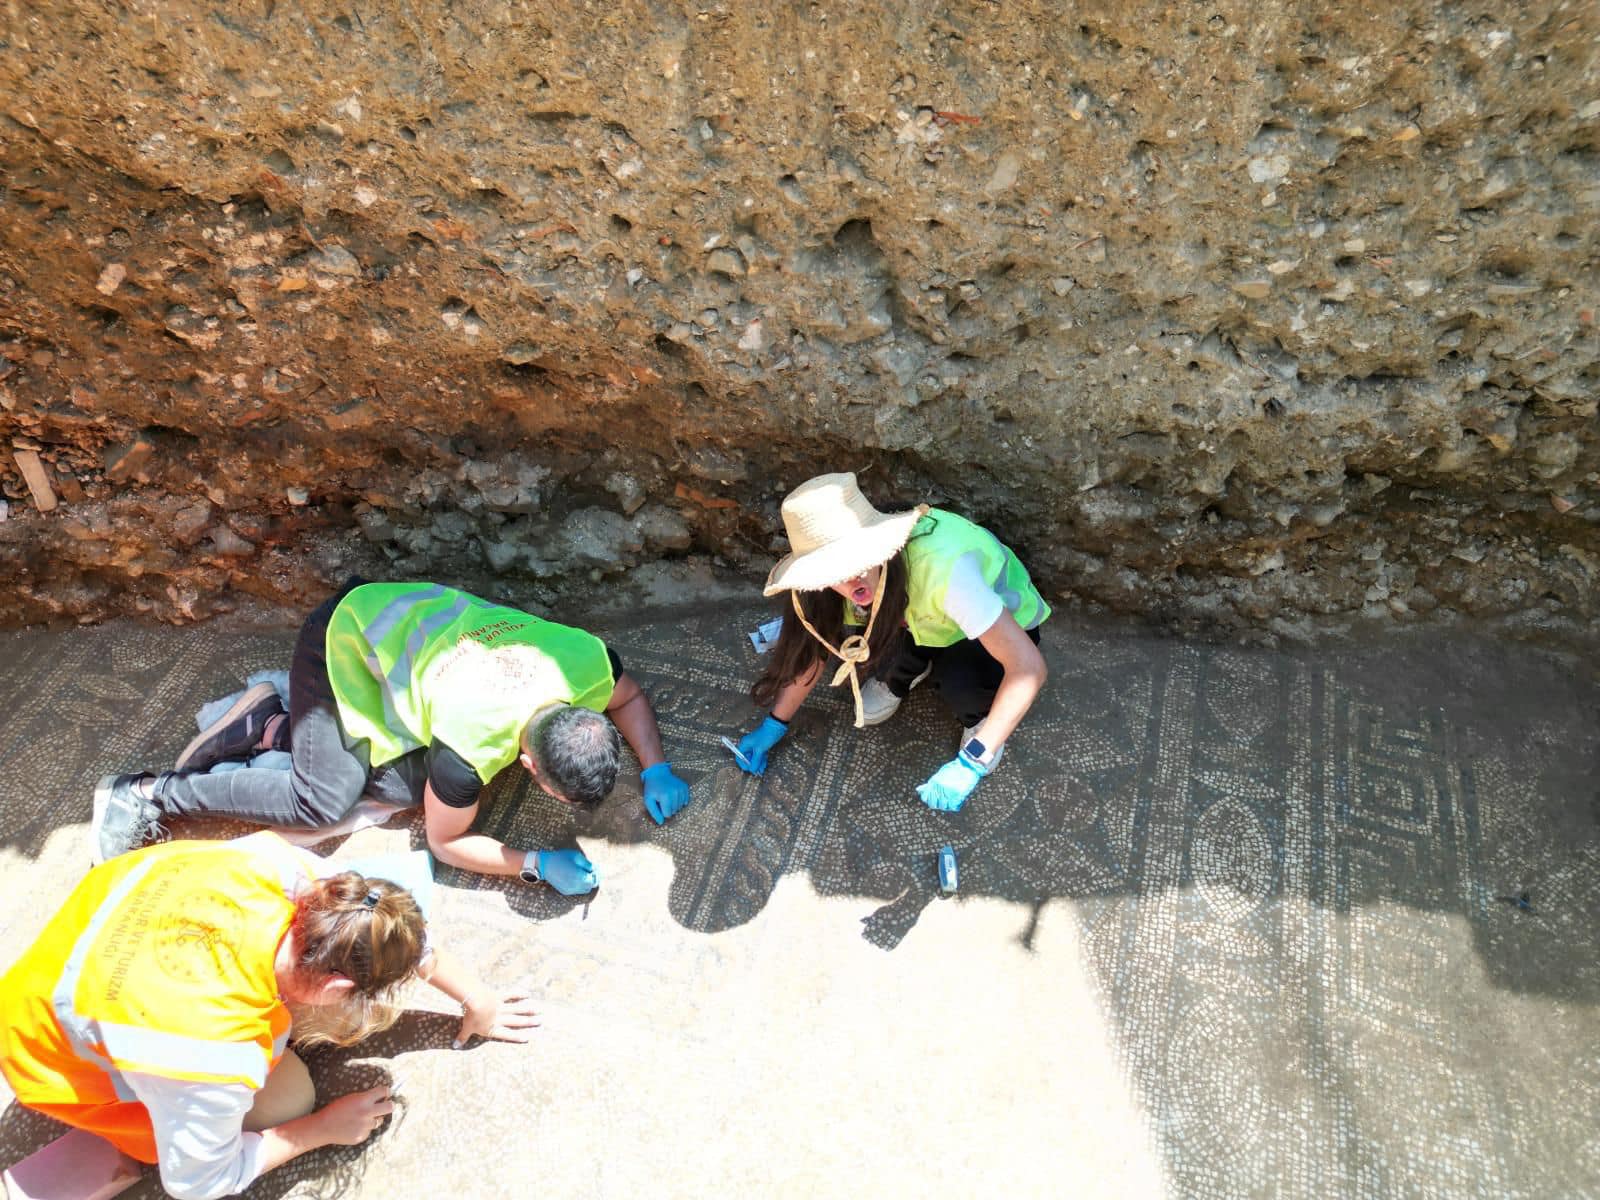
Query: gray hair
[576, 751]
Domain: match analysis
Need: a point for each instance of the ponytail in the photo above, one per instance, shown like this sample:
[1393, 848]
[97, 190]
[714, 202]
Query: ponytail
[371, 932]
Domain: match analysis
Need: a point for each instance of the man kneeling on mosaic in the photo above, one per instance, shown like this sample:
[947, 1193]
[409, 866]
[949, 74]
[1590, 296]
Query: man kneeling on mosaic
[411, 692]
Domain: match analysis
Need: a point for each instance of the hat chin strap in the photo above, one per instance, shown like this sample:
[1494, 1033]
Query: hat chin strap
[853, 650]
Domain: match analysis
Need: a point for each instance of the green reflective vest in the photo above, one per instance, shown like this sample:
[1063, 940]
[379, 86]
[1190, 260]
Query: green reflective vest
[411, 662]
[940, 541]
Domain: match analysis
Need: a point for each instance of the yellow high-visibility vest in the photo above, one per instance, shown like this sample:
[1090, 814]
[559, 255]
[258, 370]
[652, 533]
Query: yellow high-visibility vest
[411, 662]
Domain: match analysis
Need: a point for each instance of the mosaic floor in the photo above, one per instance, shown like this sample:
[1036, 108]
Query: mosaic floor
[1232, 923]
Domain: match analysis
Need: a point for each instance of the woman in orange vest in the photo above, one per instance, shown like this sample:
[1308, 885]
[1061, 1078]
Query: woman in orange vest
[154, 1009]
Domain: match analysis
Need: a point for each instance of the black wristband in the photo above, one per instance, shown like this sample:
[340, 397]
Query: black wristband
[778, 719]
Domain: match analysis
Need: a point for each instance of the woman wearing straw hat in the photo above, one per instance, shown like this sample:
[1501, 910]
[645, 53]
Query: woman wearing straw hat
[908, 596]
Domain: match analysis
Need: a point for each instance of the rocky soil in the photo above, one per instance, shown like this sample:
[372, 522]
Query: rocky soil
[1230, 314]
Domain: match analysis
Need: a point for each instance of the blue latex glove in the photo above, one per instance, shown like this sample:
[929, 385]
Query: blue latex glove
[753, 746]
[664, 792]
[568, 871]
[947, 788]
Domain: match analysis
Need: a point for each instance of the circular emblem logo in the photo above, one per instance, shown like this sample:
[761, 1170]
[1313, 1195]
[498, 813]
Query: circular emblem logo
[199, 933]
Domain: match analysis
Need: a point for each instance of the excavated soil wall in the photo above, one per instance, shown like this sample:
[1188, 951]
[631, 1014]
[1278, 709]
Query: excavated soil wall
[1223, 313]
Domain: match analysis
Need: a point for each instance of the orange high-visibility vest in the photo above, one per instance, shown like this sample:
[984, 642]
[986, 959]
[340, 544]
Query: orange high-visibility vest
[160, 962]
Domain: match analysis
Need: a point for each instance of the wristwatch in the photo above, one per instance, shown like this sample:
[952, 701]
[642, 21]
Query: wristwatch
[977, 751]
[530, 867]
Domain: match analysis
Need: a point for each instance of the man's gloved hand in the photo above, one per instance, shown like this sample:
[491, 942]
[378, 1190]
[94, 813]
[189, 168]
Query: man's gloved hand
[664, 792]
[753, 746]
[568, 871]
[947, 788]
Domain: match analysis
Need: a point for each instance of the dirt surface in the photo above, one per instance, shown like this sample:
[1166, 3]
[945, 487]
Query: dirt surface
[1242, 314]
[1231, 922]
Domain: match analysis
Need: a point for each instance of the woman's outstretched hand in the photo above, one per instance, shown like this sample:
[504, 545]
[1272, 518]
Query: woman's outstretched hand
[508, 1018]
[947, 788]
[350, 1120]
[755, 745]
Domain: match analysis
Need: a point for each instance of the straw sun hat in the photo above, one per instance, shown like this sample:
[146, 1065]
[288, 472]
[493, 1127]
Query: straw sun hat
[835, 534]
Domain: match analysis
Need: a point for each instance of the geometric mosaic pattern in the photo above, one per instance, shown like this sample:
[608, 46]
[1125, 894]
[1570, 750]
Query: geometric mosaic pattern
[1309, 876]
[1297, 876]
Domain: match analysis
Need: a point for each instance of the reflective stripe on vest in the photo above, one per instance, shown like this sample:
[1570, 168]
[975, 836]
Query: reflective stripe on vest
[400, 674]
[83, 1033]
[398, 677]
[154, 1052]
[390, 616]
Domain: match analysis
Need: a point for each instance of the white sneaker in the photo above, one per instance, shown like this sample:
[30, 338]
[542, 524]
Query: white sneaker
[878, 703]
[966, 736]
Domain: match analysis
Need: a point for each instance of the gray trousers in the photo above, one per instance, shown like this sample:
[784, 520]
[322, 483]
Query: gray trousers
[330, 771]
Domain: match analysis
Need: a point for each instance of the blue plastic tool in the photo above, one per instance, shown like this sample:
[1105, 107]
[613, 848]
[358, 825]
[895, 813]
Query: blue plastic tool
[949, 877]
[744, 762]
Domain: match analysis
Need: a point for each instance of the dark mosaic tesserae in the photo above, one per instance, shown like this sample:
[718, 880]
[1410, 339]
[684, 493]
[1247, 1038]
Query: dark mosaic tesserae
[1231, 922]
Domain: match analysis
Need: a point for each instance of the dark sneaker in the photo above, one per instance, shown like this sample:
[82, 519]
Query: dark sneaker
[123, 819]
[235, 733]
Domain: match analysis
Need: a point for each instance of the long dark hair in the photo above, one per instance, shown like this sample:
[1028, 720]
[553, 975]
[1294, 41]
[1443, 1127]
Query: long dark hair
[798, 654]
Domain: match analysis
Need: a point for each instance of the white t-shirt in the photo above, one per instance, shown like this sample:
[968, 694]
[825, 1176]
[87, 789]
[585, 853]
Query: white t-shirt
[969, 601]
[200, 1143]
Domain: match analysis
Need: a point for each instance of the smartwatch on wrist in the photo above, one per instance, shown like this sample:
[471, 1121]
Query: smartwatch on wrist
[530, 867]
[976, 751]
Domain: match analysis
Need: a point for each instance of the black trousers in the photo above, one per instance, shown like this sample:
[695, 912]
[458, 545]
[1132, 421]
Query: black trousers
[330, 770]
[966, 675]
